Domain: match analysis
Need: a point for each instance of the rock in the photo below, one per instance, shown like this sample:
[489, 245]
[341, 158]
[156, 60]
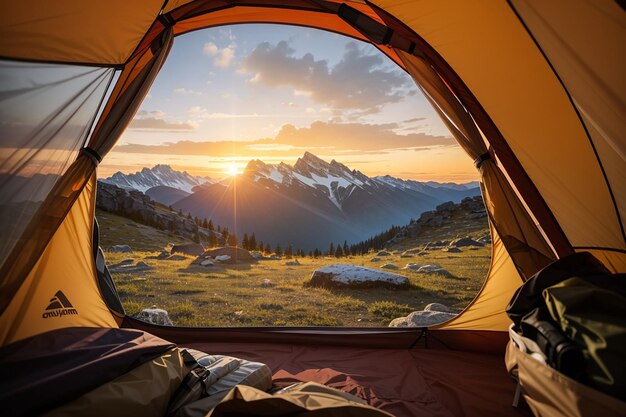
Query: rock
[222, 258]
[375, 259]
[485, 239]
[413, 267]
[126, 261]
[434, 269]
[176, 258]
[257, 255]
[274, 257]
[193, 249]
[126, 268]
[266, 283]
[447, 206]
[292, 263]
[440, 307]
[120, 249]
[476, 215]
[435, 221]
[414, 251]
[389, 266]
[407, 255]
[399, 322]
[383, 253]
[163, 255]
[352, 276]
[451, 249]
[235, 255]
[207, 262]
[465, 241]
[432, 314]
[155, 315]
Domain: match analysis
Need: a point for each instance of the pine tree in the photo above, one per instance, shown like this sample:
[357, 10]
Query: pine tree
[225, 235]
[331, 249]
[268, 248]
[260, 246]
[212, 240]
[232, 240]
[210, 226]
[346, 250]
[245, 242]
[278, 250]
[289, 251]
[252, 242]
[338, 252]
[195, 237]
[205, 224]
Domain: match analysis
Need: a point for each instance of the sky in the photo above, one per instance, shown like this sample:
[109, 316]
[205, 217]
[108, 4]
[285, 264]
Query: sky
[231, 94]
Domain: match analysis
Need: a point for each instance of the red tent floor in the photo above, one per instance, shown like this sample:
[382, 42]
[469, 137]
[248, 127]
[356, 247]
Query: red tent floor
[418, 383]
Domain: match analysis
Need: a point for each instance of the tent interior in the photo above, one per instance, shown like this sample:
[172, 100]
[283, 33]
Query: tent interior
[533, 91]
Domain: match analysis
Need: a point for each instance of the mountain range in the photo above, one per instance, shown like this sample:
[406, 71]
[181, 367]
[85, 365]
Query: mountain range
[159, 175]
[308, 204]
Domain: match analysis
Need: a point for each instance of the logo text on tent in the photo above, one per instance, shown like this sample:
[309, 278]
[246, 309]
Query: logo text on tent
[59, 306]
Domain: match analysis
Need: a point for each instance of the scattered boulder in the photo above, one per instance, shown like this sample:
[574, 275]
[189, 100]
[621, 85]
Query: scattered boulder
[432, 314]
[120, 249]
[163, 255]
[193, 249]
[465, 241]
[274, 257]
[389, 266]
[175, 258]
[413, 267]
[406, 254]
[383, 253]
[441, 308]
[155, 315]
[452, 249]
[434, 269]
[207, 262]
[375, 259]
[485, 239]
[352, 276]
[257, 255]
[267, 283]
[235, 255]
[140, 266]
[414, 251]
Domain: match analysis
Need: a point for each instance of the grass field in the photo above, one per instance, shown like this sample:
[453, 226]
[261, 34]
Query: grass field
[236, 295]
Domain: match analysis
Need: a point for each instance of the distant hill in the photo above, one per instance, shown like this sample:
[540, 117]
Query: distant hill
[313, 202]
[166, 195]
[159, 175]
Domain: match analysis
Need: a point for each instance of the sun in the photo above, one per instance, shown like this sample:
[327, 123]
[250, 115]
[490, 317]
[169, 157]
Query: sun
[232, 169]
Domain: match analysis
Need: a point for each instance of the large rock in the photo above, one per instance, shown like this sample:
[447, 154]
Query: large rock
[155, 315]
[120, 249]
[383, 253]
[434, 269]
[192, 249]
[389, 266]
[347, 276]
[235, 254]
[432, 314]
[125, 268]
[465, 241]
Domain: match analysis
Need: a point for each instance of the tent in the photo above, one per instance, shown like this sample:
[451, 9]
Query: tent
[533, 91]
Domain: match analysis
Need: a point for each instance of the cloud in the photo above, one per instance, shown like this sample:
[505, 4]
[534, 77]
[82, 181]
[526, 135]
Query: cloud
[187, 91]
[415, 119]
[223, 57]
[360, 82]
[339, 138]
[358, 137]
[156, 120]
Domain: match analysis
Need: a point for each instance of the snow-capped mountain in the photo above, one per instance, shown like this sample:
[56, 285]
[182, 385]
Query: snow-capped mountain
[313, 202]
[159, 175]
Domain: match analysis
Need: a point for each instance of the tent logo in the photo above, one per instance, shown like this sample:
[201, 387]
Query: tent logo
[59, 306]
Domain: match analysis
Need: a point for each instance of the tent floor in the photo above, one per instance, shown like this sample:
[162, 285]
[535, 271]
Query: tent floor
[418, 382]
